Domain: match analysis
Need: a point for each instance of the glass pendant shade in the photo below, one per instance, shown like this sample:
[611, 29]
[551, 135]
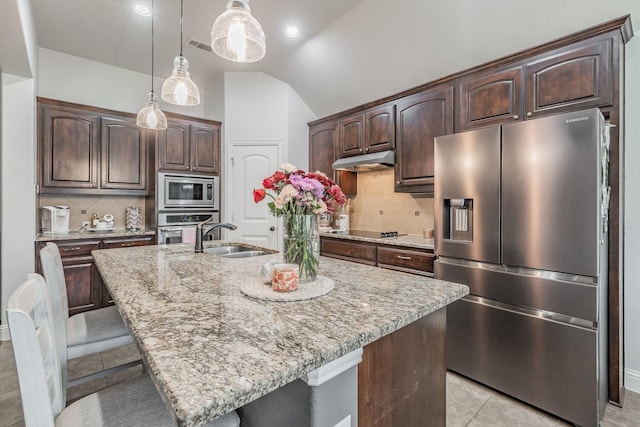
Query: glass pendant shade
[150, 116]
[179, 89]
[236, 35]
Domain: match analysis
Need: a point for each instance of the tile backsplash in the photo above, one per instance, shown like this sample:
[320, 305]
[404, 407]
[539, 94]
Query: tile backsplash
[378, 208]
[115, 205]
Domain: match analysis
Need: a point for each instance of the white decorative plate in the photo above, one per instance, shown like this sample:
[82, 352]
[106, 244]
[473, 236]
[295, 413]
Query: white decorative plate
[259, 289]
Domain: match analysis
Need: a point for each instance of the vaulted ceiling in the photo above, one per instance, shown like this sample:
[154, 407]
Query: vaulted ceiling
[349, 52]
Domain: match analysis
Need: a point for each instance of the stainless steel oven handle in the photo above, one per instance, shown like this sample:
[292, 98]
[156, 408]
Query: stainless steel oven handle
[170, 230]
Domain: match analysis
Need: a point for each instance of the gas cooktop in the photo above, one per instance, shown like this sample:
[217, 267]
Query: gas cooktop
[374, 234]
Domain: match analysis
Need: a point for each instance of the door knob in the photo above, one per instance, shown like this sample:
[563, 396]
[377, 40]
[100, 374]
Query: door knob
[272, 228]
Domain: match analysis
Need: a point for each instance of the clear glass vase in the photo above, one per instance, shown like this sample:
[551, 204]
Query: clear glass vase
[302, 244]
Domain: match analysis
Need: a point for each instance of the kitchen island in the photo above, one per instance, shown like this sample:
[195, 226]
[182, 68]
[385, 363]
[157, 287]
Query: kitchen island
[210, 349]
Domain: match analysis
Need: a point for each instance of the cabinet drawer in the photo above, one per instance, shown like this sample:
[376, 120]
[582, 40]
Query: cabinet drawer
[406, 260]
[74, 248]
[127, 243]
[352, 251]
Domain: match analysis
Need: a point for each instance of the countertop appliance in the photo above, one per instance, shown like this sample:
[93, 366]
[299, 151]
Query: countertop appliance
[173, 227]
[521, 215]
[55, 219]
[181, 191]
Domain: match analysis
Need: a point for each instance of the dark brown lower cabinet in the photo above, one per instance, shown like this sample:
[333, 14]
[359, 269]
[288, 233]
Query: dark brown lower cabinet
[363, 253]
[402, 376]
[85, 288]
[409, 260]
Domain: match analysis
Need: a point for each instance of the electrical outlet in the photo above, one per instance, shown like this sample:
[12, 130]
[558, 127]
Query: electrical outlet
[417, 213]
[381, 213]
[86, 223]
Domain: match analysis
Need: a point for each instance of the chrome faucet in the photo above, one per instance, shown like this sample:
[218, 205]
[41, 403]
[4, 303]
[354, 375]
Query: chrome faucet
[201, 231]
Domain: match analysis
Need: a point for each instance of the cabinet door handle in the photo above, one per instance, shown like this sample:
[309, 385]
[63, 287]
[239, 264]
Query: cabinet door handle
[398, 182]
[516, 117]
[529, 114]
[71, 249]
[406, 258]
[272, 228]
[127, 245]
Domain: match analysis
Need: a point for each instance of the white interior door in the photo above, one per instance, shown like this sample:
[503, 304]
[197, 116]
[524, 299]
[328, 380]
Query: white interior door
[249, 164]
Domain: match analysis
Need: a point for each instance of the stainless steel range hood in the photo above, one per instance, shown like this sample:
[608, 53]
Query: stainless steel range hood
[366, 162]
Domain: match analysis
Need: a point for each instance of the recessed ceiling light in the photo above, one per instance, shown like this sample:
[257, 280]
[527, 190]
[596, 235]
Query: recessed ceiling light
[292, 32]
[142, 9]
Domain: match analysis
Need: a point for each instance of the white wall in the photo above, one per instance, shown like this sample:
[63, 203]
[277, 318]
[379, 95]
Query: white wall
[255, 106]
[83, 81]
[213, 99]
[299, 115]
[632, 224]
[259, 107]
[378, 49]
[18, 189]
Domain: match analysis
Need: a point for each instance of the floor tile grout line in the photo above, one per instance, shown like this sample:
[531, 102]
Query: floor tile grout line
[479, 409]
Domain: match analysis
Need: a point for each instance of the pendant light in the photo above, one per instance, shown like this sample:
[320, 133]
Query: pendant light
[150, 116]
[236, 35]
[179, 89]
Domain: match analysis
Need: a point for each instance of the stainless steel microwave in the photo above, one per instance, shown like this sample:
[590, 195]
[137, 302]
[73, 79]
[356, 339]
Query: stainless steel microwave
[178, 191]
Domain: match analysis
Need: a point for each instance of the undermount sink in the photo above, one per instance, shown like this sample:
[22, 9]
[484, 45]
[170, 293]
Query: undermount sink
[237, 251]
[244, 254]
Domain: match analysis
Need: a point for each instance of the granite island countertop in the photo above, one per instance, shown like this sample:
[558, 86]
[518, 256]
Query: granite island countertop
[210, 349]
[407, 241]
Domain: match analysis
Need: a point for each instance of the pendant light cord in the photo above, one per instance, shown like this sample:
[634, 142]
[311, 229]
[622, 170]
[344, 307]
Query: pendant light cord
[153, 12]
[181, 27]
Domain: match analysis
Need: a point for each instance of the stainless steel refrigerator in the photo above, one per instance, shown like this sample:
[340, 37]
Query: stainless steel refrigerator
[521, 218]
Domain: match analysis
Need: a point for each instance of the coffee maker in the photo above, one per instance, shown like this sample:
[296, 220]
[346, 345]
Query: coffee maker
[55, 219]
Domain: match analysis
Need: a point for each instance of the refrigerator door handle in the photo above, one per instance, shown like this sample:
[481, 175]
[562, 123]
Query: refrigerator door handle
[541, 314]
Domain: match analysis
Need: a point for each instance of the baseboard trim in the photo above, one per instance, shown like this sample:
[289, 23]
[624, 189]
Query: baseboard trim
[4, 333]
[632, 380]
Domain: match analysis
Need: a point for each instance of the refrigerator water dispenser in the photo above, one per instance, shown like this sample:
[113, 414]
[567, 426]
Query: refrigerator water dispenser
[458, 220]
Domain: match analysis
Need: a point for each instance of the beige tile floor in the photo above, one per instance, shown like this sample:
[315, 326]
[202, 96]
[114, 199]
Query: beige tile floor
[468, 403]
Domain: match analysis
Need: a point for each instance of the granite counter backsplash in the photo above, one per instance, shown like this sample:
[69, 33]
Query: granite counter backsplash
[408, 241]
[77, 235]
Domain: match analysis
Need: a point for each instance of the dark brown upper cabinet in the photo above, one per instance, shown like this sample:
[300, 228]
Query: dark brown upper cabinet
[419, 119]
[205, 148]
[490, 98]
[322, 142]
[124, 154]
[569, 78]
[351, 135]
[572, 78]
[174, 146]
[188, 146]
[69, 141]
[85, 150]
[380, 129]
[323, 146]
[367, 132]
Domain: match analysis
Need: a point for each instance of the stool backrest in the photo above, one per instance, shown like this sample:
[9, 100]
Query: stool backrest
[30, 318]
[53, 272]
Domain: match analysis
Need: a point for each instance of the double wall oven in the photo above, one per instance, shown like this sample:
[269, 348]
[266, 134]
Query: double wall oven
[183, 201]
